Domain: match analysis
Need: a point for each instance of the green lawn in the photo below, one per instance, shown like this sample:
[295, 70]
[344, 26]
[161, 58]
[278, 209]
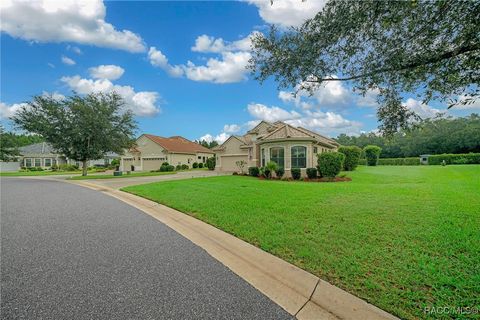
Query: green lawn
[402, 238]
[111, 176]
[38, 173]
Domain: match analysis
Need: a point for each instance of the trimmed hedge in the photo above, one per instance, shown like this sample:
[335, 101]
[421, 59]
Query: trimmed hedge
[362, 162]
[211, 163]
[253, 171]
[352, 155]
[311, 173]
[330, 164]
[371, 154]
[195, 165]
[279, 172]
[296, 173]
[413, 161]
[462, 158]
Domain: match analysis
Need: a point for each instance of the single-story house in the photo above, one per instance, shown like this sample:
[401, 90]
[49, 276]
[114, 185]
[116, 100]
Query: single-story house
[151, 151]
[43, 155]
[288, 146]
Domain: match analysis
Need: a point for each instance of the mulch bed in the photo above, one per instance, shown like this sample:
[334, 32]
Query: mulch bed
[336, 179]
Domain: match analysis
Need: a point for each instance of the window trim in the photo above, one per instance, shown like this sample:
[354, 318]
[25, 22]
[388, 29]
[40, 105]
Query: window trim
[39, 161]
[296, 158]
[271, 158]
[45, 162]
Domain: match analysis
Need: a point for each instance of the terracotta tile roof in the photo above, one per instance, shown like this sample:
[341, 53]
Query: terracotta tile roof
[178, 144]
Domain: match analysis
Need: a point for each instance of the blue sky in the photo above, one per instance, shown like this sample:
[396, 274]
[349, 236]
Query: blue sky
[179, 65]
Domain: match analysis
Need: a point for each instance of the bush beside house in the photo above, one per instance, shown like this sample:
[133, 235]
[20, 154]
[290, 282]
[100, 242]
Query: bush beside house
[330, 164]
[211, 162]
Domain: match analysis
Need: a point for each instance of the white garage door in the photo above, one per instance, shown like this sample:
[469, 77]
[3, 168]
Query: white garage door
[229, 163]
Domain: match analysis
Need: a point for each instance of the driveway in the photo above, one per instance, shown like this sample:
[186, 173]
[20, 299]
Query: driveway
[73, 253]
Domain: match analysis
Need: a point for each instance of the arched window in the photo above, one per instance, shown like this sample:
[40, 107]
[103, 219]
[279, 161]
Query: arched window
[299, 157]
[277, 155]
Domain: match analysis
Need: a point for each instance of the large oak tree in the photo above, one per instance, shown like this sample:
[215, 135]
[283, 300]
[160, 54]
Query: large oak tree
[80, 127]
[427, 48]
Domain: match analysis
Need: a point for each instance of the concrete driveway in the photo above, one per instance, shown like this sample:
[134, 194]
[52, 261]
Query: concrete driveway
[73, 253]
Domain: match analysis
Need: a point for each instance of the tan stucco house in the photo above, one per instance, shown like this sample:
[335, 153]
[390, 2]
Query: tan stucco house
[288, 146]
[151, 151]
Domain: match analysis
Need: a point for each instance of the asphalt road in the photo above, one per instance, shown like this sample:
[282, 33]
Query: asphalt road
[68, 252]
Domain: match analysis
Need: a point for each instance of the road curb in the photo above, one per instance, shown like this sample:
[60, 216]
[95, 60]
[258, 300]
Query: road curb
[300, 293]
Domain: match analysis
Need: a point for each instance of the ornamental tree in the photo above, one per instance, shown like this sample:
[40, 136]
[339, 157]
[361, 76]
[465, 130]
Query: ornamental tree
[82, 128]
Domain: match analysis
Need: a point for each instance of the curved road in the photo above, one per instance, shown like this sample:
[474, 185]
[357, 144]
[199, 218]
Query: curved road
[68, 252]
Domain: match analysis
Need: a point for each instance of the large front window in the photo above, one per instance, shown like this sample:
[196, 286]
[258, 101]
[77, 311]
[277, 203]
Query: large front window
[299, 157]
[263, 157]
[28, 162]
[48, 162]
[277, 156]
[38, 162]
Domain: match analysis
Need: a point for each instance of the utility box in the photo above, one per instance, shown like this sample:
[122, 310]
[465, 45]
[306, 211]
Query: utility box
[117, 173]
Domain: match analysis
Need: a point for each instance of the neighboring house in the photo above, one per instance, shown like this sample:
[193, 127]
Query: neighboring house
[43, 155]
[288, 146]
[151, 151]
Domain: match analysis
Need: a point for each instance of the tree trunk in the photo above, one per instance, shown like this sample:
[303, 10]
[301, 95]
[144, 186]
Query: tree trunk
[84, 169]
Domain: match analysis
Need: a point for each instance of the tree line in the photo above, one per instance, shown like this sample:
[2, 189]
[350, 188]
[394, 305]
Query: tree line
[432, 136]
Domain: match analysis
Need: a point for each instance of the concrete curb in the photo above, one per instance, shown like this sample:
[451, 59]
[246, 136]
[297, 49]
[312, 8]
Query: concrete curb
[300, 293]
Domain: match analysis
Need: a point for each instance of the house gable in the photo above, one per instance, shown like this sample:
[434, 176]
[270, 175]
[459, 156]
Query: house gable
[232, 146]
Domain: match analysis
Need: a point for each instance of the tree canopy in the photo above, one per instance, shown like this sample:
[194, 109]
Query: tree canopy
[81, 127]
[206, 144]
[432, 136]
[427, 48]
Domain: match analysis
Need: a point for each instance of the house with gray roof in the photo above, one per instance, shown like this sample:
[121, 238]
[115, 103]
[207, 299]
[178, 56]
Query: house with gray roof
[43, 155]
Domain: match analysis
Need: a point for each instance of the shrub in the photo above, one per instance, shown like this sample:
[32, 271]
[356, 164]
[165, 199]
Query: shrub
[195, 165]
[185, 167]
[296, 173]
[68, 167]
[279, 172]
[211, 163]
[330, 164]
[352, 155]
[272, 166]
[413, 161]
[165, 164]
[166, 167]
[461, 158]
[311, 173]
[253, 171]
[200, 165]
[362, 162]
[170, 168]
[235, 173]
[178, 167]
[265, 172]
[371, 154]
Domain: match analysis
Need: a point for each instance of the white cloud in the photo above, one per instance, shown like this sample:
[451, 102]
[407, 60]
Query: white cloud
[231, 128]
[205, 43]
[262, 112]
[421, 109]
[370, 99]
[68, 61]
[7, 111]
[78, 21]
[143, 103]
[328, 123]
[474, 105]
[109, 71]
[230, 68]
[288, 12]
[74, 49]
[220, 138]
[51, 65]
[158, 59]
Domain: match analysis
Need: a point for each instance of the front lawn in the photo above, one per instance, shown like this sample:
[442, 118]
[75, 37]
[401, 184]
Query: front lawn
[39, 173]
[111, 176]
[403, 238]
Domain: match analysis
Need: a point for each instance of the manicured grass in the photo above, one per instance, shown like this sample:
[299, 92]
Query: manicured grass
[403, 238]
[38, 173]
[111, 176]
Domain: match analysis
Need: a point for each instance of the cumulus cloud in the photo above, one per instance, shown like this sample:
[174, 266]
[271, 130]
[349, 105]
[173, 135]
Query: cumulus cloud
[158, 59]
[68, 61]
[78, 21]
[287, 13]
[109, 71]
[220, 138]
[9, 110]
[422, 109]
[231, 128]
[271, 114]
[229, 66]
[143, 103]
[74, 49]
